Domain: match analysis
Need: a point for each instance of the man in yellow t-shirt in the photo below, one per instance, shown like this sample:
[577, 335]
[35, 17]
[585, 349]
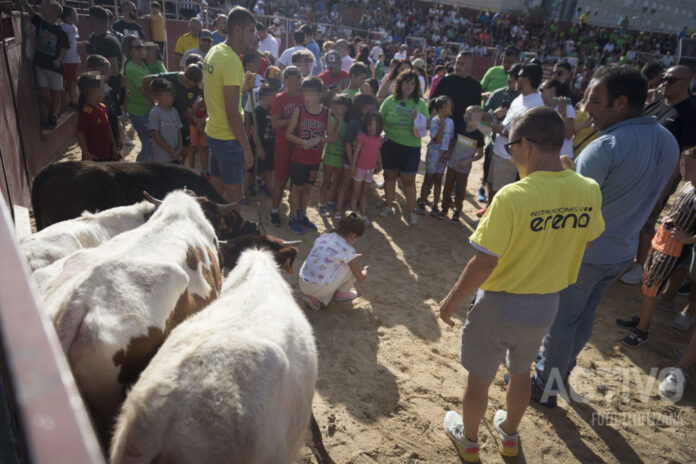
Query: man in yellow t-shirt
[223, 85]
[189, 40]
[529, 246]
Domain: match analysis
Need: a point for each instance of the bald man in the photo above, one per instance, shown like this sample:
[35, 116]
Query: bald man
[676, 111]
[189, 40]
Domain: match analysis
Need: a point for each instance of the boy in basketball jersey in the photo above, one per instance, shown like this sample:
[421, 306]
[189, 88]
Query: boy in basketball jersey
[306, 132]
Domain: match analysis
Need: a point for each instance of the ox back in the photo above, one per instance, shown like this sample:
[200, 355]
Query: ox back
[64, 190]
[233, 383]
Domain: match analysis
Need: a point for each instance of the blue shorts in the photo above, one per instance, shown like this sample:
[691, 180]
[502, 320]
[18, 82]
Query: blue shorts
[433, 165]
[226, 160]
[397, 157]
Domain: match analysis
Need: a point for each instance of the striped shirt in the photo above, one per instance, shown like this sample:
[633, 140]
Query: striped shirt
[683, 214]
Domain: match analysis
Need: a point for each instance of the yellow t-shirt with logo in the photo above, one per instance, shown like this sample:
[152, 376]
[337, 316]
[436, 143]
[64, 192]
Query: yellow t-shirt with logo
[185, 43]
[539, 227]
[221, 67]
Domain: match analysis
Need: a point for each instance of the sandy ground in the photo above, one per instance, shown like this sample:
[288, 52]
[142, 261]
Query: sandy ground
[389, 367]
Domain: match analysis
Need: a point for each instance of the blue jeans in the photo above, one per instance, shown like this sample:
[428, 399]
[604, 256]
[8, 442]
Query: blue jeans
[141, 128]
[226, 160]
[572, 328]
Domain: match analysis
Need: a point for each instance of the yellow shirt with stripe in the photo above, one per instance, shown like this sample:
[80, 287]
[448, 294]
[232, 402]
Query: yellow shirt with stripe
[538, 228]
[221, 68]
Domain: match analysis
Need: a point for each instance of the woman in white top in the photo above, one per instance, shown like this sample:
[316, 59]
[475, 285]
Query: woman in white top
[550, 91]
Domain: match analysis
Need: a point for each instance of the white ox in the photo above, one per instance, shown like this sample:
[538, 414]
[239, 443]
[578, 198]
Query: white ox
[88, 231]
[232, 384]
[114, 305]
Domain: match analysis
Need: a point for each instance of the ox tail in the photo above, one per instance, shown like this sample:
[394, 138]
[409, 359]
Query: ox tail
[133, 441]
[317, 443]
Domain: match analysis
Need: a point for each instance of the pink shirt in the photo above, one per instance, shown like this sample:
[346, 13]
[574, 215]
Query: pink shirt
[369, 151]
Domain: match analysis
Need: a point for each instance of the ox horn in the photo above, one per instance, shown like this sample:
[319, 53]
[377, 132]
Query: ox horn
[292, 242]
[226, 208]
[151, 199]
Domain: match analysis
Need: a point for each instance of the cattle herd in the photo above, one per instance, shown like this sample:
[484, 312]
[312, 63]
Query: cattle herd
[183, 337]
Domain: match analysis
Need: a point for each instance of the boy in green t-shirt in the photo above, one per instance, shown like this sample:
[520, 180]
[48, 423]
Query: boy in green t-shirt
[358, 74]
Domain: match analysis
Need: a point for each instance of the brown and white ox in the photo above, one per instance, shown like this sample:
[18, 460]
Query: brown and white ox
[114, 305]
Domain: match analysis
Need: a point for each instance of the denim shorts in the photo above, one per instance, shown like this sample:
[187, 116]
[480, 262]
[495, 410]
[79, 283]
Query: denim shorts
[226, 160]
[433, 165]
[397, 157]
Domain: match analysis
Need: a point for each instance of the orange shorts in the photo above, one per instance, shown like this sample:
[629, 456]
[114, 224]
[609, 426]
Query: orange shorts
[197, 137]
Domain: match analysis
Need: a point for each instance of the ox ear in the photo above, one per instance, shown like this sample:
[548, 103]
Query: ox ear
[151, 199]
[222, 225]
[287, 256]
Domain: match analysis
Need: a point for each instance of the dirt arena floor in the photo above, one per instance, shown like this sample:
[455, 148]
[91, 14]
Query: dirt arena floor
[389, 369]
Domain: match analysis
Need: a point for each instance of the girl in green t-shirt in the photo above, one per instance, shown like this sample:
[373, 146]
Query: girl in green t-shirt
[334, 155]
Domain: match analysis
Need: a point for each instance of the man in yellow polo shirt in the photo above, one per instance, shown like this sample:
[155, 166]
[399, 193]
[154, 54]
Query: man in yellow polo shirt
[529, 246]
[223, 84]
[189, 40]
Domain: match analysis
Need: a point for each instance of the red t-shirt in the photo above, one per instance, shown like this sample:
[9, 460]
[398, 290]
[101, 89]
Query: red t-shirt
[93, 122]
[309, 126]
[341, 80]
[284, 105]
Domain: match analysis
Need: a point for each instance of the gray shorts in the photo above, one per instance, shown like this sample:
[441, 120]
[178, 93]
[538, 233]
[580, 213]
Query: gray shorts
[46, 78]
[505, 325]
[501, 172]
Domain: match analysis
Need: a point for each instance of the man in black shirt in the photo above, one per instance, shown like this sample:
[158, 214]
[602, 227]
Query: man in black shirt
[49, 50]
[463, 89]
[127, 25]
[676, 111]
[103, 43]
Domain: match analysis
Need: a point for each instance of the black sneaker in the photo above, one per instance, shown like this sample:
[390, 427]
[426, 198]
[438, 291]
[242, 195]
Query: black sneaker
[685, 289]
[629, 323]
[635, 339]
[455, 218]
[538, 393]
[275, 219]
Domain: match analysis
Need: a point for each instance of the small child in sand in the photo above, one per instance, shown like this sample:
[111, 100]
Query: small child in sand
[332, 267]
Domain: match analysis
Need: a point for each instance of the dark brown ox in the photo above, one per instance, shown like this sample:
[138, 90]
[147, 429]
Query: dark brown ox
[62, 191]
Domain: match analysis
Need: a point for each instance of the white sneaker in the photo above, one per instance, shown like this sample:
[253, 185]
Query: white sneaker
[672, 387]
[509, 444]
[414, 219]
[682, 321]
[386, 211]
[454, 428]
[634, 276]
[367, 221]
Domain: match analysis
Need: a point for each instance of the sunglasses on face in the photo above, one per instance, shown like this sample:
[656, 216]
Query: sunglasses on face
[138, 47]
[515, 142]
[559, 73]
[672, 80]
